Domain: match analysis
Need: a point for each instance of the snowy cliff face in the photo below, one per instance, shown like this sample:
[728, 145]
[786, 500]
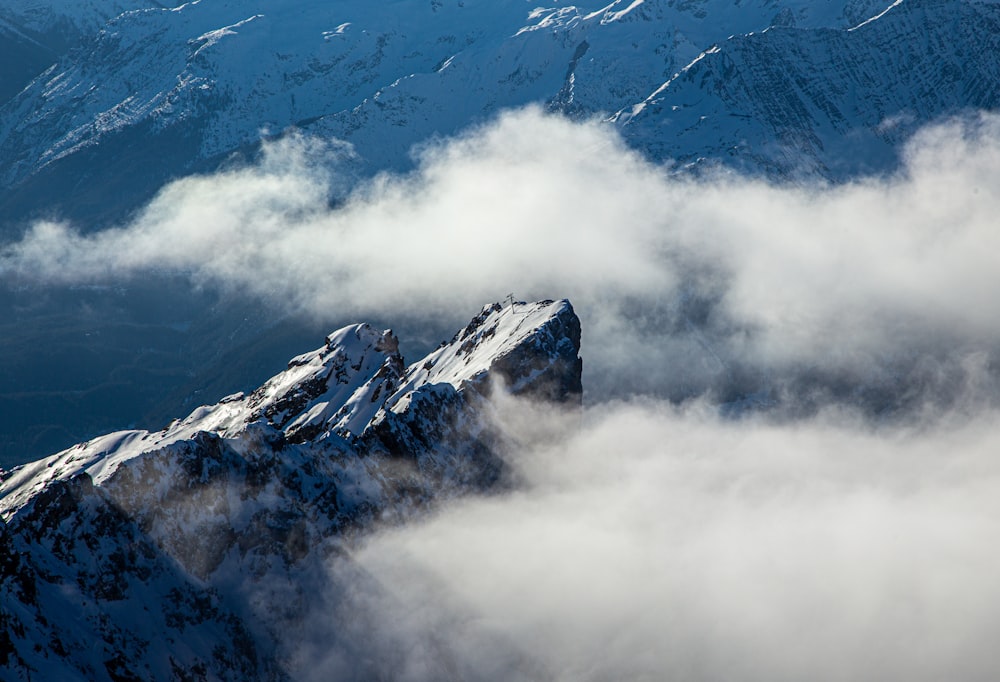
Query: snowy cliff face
[154, 90]
[168, 90]
[35, 33]
[197, 552]
[827, 103]
[70, 19]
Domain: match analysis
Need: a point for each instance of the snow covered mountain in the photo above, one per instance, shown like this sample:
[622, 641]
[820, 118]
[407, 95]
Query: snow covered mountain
[103, 103]
[35, 33]
[828, 103]
[193, 552]
[73, 20]
[161, 91]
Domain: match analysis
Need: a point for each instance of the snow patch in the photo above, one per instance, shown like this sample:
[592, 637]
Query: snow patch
[877, 16]
[339, 31]
[210, 38]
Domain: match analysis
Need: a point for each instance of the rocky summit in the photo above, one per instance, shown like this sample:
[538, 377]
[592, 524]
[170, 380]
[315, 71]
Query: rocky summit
[195, 552]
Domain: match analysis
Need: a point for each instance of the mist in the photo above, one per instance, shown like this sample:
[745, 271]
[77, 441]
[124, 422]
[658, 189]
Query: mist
[878, 291]
[662, 543]
[841, 528]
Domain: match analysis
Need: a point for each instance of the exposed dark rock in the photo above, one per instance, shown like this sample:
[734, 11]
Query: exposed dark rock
[192, 553]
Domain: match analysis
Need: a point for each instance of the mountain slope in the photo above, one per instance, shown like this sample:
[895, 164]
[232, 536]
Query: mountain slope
[827, 103]
[788, 88]
[209, 76]
[197, 552]
[780, 88]
[35, 34]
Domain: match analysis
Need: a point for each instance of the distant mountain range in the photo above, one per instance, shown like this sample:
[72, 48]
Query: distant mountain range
[102, 103]
[208, 547]
[130, 94]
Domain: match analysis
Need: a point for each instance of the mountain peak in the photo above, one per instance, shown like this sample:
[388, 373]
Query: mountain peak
[356, 389]
[252, 496]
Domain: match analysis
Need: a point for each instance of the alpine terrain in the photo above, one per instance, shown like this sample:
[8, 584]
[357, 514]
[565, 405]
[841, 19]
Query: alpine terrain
[199, 552]
[777, 219]
[102, 104]
[148, 92]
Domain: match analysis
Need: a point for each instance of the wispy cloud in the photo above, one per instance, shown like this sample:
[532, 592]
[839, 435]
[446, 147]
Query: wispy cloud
[655, 543]
[683, 284]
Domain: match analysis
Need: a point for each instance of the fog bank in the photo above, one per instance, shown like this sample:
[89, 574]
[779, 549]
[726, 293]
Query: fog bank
[817, 538]
[656, 543]
[726, 284]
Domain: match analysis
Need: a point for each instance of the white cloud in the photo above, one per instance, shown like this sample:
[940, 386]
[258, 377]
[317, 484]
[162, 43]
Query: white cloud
[656, 543]
[682, 284]
[663, 544]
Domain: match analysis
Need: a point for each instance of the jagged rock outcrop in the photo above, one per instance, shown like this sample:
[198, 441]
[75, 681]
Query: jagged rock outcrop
[196, 552]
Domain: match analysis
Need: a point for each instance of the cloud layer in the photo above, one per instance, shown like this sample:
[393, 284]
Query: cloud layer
[723, 282]
[653, 542]
[656, 543]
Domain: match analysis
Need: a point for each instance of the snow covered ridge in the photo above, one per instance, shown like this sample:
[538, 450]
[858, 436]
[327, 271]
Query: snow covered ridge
[195, 552]
[355, 389]
[215, 74]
